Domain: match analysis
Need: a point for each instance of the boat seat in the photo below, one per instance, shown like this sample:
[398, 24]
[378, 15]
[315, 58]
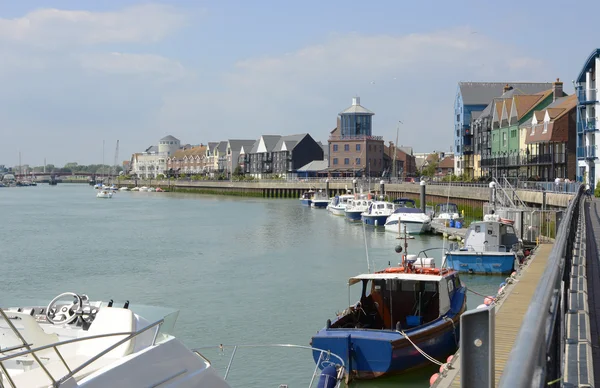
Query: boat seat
[108, 320]
[29, 329]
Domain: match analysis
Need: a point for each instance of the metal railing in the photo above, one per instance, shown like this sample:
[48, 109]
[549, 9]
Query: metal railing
[537, 356]
[323, 361]
[54, 346]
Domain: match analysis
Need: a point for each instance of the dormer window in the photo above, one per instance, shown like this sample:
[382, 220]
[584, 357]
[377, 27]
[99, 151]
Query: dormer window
[545, 127]
[533, 130]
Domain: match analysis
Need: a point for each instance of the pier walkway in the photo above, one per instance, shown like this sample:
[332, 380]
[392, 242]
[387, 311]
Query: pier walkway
[544, 329]
[510, 310]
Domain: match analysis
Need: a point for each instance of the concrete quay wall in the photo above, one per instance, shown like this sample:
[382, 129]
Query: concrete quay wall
[463, 195]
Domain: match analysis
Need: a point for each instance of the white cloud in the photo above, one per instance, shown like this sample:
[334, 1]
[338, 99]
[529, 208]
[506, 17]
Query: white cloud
[412, 78]
[131, 64]
[53, 28]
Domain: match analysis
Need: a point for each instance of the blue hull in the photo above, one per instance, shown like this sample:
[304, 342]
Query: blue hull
[484, 263]
[353, 216]
[320, 204]
[305, 202]
[375, 220]
[373, 353]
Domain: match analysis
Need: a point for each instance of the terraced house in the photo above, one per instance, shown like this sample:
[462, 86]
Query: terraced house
[509, 118]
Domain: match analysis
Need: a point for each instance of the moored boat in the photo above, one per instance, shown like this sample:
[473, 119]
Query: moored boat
[319, 200]
[338, 204]
[402, 312]
[357, 206]
[447, 213]
[104, 193]
[408, 218]
[490, 247]
[306, 197]
[377, 213]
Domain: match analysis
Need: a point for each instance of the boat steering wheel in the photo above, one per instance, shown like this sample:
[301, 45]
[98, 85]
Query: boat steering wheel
[67, 313]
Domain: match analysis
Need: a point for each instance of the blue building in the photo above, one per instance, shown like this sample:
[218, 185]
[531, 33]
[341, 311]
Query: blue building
[587, 121]
[471, 99]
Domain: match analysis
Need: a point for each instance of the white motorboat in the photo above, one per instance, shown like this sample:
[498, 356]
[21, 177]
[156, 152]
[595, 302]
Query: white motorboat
[338, 204]
[377, 213]
[124, 188]
[151, 189]
[104, 193]
[319, 200]
[98, 186]
[143, 188]
[411, 219]
[135, 189]
[447, 213]
[356, 207]
[74, 342]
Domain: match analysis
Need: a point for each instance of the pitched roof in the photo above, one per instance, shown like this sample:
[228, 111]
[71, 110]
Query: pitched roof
[152, 149]
[356, 108]
[525, 103]
[482, 93]
[237, 145]
[212, 145]
[315, 165]
[169, 138]
[222, 147]
[290, 142]
[447, 162]
[193, 151]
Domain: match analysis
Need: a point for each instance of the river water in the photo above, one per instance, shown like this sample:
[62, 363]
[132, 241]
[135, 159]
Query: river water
[241, 271]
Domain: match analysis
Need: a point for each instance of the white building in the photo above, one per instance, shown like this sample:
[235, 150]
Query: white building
[153, 161]
[588, 108]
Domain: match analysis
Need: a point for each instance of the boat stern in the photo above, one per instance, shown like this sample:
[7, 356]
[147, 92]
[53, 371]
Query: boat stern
[482, 263]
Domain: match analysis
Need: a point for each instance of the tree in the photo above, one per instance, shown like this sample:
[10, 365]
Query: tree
[238, 171]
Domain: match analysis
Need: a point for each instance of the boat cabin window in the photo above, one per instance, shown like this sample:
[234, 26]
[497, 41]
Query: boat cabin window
[510, 229]
[478, 229]
[450, 286]
[490, 231]
[389, 205]
[456, 282]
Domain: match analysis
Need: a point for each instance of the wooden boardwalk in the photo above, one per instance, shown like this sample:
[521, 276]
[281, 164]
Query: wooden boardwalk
[509, 316]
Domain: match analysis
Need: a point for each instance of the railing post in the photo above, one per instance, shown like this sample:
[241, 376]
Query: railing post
[477, 357]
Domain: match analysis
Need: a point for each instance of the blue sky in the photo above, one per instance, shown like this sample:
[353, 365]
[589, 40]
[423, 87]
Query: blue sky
[75, 73]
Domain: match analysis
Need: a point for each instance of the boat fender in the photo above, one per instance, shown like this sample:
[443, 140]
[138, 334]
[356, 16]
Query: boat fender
[398, 326]
[126, 305]
[376, 223]
[328, 325]
[488, 300]
[433, 378]
[328, 377]
[443, 368]
[502, 284]
[481, 306]
[110, 303]
[449, 359]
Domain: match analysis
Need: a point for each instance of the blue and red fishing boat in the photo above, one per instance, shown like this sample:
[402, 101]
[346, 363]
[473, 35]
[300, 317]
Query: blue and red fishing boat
[405, 315]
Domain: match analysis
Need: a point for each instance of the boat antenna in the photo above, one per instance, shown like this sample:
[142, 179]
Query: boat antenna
[404, 258]
[366, 248]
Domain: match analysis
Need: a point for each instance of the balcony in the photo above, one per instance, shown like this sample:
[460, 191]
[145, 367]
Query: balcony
[586, 96]
[589, 125]
[467, 149]
[587, 152]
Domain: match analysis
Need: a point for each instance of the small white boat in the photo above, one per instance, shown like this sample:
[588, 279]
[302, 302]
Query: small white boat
[143, 188]
[319, 200]
[135, 189]
[74, 342]
[378, 213]
[338, 204]
[104, 193]
[447, 213]
[151, 189]
[356, 207]
[124, 188]
[113, 188]
[408, 218]
[98, 186]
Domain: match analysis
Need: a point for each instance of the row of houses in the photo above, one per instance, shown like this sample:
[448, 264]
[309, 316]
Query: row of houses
[352, 150]
[529, 130]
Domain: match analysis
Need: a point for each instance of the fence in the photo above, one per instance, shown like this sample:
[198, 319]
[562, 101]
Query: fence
[531, 225]
[538, 355]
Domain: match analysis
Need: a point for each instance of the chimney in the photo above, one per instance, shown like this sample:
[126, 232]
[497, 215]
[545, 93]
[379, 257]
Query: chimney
[355, 101]
[557, 89]
[506, 88]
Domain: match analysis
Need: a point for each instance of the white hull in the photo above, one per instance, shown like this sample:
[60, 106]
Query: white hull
[337, 211]
[104, 195]
[411, 227]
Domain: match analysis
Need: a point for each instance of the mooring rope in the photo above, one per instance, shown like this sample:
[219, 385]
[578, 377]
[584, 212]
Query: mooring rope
[427, 356]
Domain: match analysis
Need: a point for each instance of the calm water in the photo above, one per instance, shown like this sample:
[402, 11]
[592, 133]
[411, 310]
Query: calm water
[241, 271]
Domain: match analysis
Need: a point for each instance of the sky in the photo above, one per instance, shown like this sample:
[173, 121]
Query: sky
[76, 76]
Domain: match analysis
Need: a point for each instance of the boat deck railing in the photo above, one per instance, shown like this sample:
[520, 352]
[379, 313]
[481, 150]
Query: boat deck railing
[32, 351]
[325, 359]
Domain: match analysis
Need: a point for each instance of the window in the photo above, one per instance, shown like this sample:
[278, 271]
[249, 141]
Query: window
[450, 286]
[335, 148]
[513, 133]
[545, 127]
[357, 161]
[335, 161]
[346, 147]
[458, 118]
[478, 229]
[504, 139]
[347, 161]
[358, 147]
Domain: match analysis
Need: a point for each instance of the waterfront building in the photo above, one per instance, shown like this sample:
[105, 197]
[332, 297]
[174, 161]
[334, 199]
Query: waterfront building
[220, 159]
[259, 161]
[189, 160]
[153, 161]
[210, 158]
[353, 150]
[294, 151]
[445, 167]
[234, 148]
[405, 161]
[588, 107]
[471, 100]
[551, 141]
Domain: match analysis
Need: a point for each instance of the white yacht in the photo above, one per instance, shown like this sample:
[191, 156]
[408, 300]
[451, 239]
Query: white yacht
[356, 207]
[104, 193]
[447, 212]
[338, 204]
[144, 188]
[74, 342]
[411, 219]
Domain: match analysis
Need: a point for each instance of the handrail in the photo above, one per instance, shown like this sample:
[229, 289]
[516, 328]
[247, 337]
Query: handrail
[528, 357]
[235, 347]
[129, 335]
